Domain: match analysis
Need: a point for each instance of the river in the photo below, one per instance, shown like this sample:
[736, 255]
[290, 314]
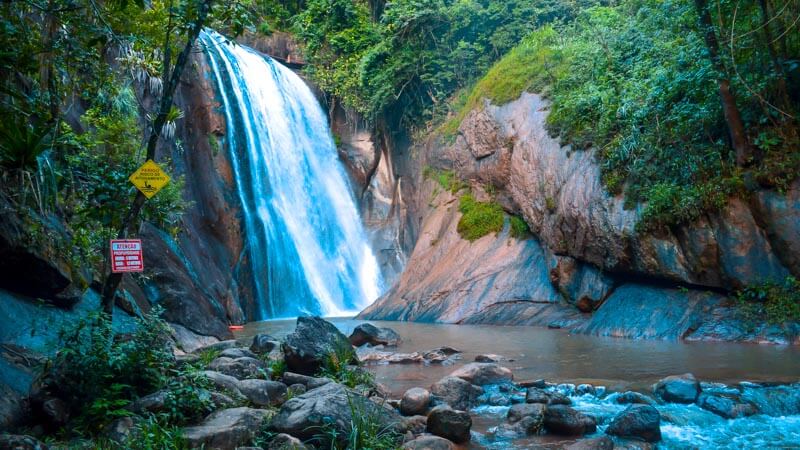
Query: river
[614, 363]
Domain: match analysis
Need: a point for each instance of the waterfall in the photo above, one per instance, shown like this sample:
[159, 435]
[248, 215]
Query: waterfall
[306, 243]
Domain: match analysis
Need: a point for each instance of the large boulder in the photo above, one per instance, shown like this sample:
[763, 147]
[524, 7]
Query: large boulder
[331, 405]
[263, 392]
[637, 422]
[312, 340]
[678, 388]
[729, 407]
[415, 401]
[483, 373]
[227, 428]
[563, 420]
[450, 424]
[456, 392]
[227, 383]
[366, 333]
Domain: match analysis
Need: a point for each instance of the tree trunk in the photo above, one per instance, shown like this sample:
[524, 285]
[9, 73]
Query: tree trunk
[733, 117]
[131, 221]
[777, 64]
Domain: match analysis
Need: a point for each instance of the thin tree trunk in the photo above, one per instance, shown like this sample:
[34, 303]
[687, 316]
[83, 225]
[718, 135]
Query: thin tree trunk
[777, 64]
[131, 221]
[733, 117]
[47, 77]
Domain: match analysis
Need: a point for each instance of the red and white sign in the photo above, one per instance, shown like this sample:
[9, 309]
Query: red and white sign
[126, 255]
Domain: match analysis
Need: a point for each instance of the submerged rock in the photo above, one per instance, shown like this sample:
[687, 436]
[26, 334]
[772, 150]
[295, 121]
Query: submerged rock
[484, 373]
[628, 397]
[563, 420]
[312, 340]
[227, 428]
[728, 407]
[456, 392]
[678, 388]
[366, 333]
[638, 422]
[450, 424]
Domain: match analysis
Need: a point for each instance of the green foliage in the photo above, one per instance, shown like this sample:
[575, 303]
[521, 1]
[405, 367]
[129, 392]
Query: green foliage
[447, 179]
[479, 218]
[277, 368]
[416, 54]
[154, 434]
[99, 374]
[776, 302]
[366, 431]
[519, 228]
[188, 399]
[634, 81]
[339, 366]
[207, 355]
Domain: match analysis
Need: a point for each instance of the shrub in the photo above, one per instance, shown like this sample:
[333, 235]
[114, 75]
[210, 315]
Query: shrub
[338, 366]
[99, 374]
[366, 431]
[775, 302]
[154, 434]
[519, 228]
[479, 218]
[447, 179]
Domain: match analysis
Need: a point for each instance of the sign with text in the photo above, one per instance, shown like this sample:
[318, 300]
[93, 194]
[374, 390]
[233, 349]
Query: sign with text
[149, 178]
[126, 255]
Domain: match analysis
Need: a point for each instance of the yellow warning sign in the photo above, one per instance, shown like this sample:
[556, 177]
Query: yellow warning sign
[149, 178]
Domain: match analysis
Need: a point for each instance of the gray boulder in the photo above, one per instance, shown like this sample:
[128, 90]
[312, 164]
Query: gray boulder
[600, 443]
[241, 368]
[456, 392]
[312, 340]
[225, 382]
[263, 392]
[263, 343]
[20, 442]
[227, 428]
[450, 424]
[429, 443]
[484, 373]
[415, 401]
[637, 422]
[237, 352]
[678, 389]
[331, 405]
[290, 378]
[565, 421]
[283, 441]
[366, 333]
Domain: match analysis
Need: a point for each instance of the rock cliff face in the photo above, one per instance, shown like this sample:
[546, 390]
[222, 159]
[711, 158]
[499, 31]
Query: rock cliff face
[588, 257]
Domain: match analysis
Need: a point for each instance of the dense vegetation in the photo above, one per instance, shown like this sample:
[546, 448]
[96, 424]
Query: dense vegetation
[638, 82]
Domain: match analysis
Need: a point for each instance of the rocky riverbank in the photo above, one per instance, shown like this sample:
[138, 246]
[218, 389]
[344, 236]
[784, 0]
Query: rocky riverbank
[313, 389]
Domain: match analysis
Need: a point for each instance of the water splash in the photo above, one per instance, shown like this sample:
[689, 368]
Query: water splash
[306, 244]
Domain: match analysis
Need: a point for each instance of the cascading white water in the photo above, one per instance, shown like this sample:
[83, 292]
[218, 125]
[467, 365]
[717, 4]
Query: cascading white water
[306, 244]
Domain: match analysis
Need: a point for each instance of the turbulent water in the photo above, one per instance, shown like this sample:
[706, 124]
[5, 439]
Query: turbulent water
[306, 244]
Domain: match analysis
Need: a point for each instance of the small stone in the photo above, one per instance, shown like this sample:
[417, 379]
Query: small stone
[488, 358]
[725, 406]
[296, 389]
[118, 430]
[263, 343]
[633, 397]
[290, 378]
[237, 352]
[283, 441]
[415, 401]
